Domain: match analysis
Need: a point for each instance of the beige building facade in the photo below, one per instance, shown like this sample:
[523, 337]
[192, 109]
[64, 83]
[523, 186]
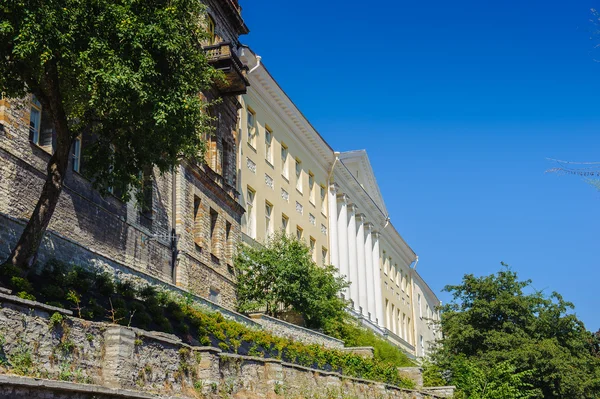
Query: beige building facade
[290, 179]
[426, 315]
[283, 166]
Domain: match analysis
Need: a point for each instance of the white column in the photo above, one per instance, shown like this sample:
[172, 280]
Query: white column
[333, 230]
[377, 280]
[362, 265]
[352, 256]
[369, 273]
[342, 226]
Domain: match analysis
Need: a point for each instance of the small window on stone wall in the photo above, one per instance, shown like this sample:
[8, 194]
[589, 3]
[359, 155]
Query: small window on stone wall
[214, 295]
[197, 229]
[214, 236]
[228, 244]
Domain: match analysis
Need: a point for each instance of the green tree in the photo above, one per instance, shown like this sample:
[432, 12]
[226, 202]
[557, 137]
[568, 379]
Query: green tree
[126, 72]
[499, 320]
[282, 275]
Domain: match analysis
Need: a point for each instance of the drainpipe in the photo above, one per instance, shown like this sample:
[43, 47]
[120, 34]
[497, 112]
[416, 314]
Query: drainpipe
[174, 237]
[336, 154]
[255, 67]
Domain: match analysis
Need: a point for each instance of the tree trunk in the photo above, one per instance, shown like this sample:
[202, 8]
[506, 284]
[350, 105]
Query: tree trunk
[48, 92]
[24, 253]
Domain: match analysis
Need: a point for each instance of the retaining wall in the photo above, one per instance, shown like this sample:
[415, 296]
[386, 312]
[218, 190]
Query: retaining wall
[103, 356]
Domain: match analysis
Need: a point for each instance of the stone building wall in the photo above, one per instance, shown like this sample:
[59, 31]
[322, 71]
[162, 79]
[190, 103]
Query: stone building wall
[196, 203]
[114, 229]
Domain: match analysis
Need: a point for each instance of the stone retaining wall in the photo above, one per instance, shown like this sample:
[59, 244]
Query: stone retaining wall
[116, 357]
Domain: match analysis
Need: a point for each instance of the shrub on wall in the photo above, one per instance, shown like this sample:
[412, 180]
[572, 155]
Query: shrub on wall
[94, 296]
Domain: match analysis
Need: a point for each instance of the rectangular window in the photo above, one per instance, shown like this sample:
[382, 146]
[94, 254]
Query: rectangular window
[422, 345]
[268, 145]
[35, 120]
[299, 175]
[228, 243]
[419, 305]
[313, 244]
[214, 237]
[299, 233]
[268, 220]
[76, 155]
[404, 327]
[213, 295]
[197, 229]
[311, 187]
[384, 261]
[323, 200]
[285, 221]
[284, 162]
[324, 256]
[250, 213]
[251, 122]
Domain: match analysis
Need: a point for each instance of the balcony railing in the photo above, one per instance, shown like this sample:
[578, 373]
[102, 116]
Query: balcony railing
[223, 57]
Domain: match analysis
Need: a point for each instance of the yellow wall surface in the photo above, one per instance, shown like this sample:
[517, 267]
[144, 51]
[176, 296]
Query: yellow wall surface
[276, 183]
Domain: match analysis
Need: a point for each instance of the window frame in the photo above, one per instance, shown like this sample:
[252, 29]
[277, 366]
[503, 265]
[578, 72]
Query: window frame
[285, 155]
[268, 219]
[269, 145]
[251, 126]
[251, 212]
[298, 170]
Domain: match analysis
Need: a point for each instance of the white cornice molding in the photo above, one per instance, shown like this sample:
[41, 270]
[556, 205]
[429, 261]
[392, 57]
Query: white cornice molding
[267, 92]
[425, 288]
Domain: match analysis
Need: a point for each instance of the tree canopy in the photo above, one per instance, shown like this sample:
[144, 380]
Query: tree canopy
[127, 73]
[283, 276]
[503, 339]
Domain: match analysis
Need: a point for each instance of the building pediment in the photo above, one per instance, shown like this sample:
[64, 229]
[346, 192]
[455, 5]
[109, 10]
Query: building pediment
[358, 164]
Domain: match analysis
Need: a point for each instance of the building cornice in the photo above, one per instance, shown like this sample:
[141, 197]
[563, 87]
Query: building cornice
[265, 89]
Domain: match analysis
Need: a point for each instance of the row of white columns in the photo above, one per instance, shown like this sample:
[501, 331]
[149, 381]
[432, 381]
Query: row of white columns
[355, 252]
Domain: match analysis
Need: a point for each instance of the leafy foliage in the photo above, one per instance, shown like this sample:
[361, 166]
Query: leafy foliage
[515, 343]
[147, 307]
[129, 73]
[125, 76]
[282, 276]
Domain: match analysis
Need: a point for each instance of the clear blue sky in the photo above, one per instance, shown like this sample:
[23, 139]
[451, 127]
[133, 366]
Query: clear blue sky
[458, 104]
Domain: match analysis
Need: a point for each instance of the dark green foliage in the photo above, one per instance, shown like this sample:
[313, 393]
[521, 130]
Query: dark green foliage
[355, 335]
[20, 284]
[282, 275]
[128, 72]
[161, 311]
[500, 334]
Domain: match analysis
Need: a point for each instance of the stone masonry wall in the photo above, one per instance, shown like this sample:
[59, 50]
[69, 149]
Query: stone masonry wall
[131, 363]
[112, 229]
